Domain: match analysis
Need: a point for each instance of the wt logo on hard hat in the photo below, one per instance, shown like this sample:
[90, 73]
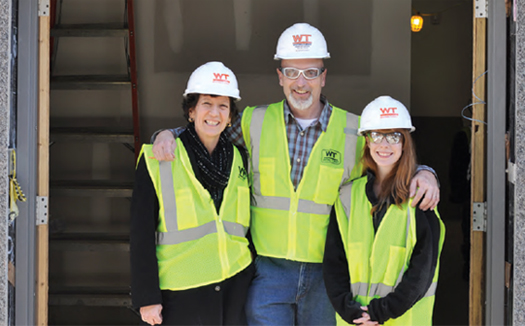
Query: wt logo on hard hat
[388, 113]
[302, 42]
[221, 78]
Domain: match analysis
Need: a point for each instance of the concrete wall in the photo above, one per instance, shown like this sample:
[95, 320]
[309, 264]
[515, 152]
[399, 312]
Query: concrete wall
[519, 194]
[5, 50]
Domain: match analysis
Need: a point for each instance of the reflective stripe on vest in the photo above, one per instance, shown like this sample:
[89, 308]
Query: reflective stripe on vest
[352, 122]
[283, 203]
[256, 129]
[174, 235]
[382, 290]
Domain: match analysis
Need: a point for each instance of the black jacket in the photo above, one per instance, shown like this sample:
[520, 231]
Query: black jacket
[416, 280]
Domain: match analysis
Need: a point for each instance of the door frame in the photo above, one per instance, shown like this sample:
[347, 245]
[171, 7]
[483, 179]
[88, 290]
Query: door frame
[496, 162]
[26, 306]
[27, 96]
[487, 260]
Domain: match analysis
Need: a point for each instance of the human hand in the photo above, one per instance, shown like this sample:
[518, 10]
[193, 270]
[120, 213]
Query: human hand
[426, 184]
[151, 314]
[164, 146]
[365, 319]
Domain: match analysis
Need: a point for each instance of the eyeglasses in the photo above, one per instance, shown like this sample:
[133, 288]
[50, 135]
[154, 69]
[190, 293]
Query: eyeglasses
[309, 73]
[392, 137]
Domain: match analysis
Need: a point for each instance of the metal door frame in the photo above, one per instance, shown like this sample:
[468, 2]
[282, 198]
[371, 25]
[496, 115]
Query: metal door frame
[496, 178]
[27, 97]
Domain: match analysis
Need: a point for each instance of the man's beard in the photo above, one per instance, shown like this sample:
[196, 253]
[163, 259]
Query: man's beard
[300, 105]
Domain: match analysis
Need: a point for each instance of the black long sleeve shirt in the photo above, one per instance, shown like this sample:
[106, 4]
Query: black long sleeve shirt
[145, 288]
[416, 280]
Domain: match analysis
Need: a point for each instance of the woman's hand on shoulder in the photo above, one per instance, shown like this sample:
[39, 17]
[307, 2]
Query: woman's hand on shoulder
[151, 314]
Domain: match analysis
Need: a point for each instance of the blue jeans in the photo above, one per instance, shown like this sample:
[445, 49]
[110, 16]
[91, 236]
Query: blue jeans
[286, 292]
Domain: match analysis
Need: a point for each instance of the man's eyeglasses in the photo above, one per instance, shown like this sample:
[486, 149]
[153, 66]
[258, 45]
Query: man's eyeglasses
[308, 73]
[392, 137]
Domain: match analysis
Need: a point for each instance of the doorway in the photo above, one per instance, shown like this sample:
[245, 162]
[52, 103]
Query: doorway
[373, 54]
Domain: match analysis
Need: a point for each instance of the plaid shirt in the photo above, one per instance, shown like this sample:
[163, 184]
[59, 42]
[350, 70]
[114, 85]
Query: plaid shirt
[300, 141]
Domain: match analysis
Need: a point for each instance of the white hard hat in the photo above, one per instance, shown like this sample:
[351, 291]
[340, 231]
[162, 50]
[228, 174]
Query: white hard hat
[213, 78]
[385, 113]
[301, 41]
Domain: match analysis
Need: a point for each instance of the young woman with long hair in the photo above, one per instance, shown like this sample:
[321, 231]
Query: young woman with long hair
[381, 258]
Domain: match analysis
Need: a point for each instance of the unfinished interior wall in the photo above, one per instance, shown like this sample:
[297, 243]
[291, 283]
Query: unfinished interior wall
[369, 43]
[5, 83]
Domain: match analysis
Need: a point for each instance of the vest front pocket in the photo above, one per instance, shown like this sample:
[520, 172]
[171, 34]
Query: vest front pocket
[328, 181]
[186, 216]
[396, 262]
[267, 175]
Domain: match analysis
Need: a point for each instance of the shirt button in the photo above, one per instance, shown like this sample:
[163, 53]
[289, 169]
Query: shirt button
[298, 160]
[302, 133]
[217, 288]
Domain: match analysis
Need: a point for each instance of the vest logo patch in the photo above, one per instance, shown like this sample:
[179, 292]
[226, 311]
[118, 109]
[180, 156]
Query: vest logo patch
[242, 173]
[331, 156]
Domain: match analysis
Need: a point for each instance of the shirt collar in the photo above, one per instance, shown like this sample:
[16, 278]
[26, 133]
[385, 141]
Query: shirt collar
[324, 118]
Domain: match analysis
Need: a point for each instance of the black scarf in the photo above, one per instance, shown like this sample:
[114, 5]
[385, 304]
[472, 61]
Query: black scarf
[212, 171]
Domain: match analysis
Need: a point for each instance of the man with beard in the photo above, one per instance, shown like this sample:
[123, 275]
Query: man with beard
[302, 149]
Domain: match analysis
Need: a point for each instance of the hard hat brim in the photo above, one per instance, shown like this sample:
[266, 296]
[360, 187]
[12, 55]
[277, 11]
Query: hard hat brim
[277, 57]
[362, 132]
[235, 98]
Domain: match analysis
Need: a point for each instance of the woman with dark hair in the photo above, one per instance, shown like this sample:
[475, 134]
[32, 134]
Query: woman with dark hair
[381, 257]
[190, 261]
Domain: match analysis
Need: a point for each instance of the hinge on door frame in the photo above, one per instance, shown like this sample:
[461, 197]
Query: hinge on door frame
[41, 210]
[43, 8]
[479, 217]
[511, 172]
[481, 8]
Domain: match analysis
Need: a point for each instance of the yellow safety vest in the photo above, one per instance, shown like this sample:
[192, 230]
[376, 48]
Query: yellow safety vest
[289, 223]
[195, 245]
[378, 260]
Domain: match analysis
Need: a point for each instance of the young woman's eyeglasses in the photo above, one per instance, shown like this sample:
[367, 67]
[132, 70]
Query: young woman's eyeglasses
[392, 137]
[308, 73]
